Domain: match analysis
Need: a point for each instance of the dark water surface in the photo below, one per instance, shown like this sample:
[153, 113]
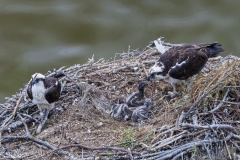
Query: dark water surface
[37, 36]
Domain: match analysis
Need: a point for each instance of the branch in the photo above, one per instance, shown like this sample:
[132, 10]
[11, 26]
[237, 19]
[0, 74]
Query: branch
[9, 118]
[219, 105]
[214, 126]
[207, 92]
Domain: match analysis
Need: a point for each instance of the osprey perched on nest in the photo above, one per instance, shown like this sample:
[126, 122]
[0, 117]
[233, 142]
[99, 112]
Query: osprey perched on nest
[44, 91]
[182, 62]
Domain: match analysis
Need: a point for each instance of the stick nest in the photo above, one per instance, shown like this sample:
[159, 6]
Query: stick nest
[201, 123]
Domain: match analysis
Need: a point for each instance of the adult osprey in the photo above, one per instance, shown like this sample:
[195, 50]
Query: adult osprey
[135, 99]
[44, 91]
[182, 62]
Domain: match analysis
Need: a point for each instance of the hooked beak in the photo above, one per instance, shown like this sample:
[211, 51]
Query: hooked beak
[150, 77]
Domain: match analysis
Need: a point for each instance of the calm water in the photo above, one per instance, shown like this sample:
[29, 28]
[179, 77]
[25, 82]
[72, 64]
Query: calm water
[37, 36]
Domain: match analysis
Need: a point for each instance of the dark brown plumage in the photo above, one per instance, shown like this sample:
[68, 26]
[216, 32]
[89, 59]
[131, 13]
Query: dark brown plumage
[43, 91]
[50, 83]
[182, 62]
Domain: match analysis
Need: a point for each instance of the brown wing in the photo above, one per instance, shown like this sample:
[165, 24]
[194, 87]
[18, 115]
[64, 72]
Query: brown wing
[29, 90]
[54, 89]
[192, 63]
[172, 56]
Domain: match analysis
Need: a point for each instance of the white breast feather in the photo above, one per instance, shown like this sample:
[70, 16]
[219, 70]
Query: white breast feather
[38, 92]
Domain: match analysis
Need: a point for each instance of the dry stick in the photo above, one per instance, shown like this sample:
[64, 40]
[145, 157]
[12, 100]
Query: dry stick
[95, 148]
[143, 66]
[43, 122]
[181, 154]
[25, 125]
[162, 155]
[9, 118]
[171, 139]
[229, 154]
[237, 146]
[208, 152]
[218, 106]
[211, 74]
[124, 67]
[179, 120]
[183, 148]
[216, 126]
[27, 136]
[207, 92]
[175, 138]
[224, 102]
[168, 140]
[165, 132]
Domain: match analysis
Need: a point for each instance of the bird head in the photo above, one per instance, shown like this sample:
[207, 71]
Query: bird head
[121, 100]
[156, 71]
[141, 86]
[147, 102]
[37, 78]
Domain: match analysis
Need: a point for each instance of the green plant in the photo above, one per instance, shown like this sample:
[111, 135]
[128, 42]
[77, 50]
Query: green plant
[150, 136]
[195, 149]
[128, 138]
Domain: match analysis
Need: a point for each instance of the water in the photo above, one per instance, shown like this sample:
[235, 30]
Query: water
[37, 36]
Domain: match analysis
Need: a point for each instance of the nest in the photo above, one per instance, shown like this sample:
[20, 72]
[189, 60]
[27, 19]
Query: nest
[201, 123]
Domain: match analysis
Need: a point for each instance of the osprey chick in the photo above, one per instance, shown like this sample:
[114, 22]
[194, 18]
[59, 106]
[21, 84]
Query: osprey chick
[121, 111]
[135, 99]
[141, 113]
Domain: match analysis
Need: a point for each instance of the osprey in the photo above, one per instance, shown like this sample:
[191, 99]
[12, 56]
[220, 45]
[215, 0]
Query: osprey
[121, 111]
[141, 113]
[44, 91]
[182, 62]
[135, 99]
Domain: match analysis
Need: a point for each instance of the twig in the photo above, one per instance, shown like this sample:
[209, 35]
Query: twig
[165, 132]
[43, 121]
[145, 71]
[229, 154]
[181, 154]
[208, 152]
[168, 140]
[163, 155]
[76, 83]
[219, 105]
[6, 139]
[96, 148]
[9, 118]
[207, 92]
[214, 126]
[179, 120]
[25, 125]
